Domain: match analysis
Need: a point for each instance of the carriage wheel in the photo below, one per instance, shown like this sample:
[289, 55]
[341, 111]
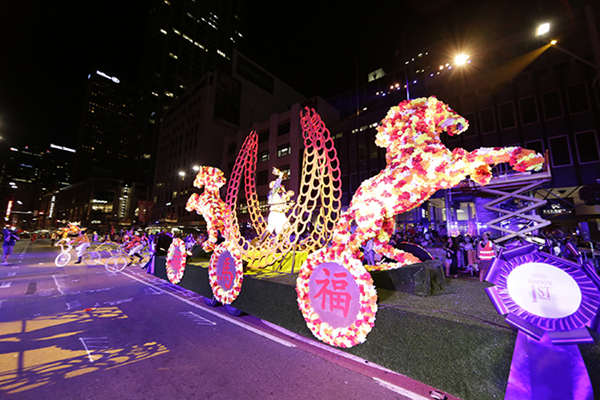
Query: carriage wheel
[337, 298]
[226, 272]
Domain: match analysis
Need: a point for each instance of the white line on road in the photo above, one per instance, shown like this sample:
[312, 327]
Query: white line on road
[1, 301]
[400, 390]
[117, 302]
[86, 349]
[198, 319]
[57, 285]
[73, 304]
[217, 314]
[11, 274]
[5, 285]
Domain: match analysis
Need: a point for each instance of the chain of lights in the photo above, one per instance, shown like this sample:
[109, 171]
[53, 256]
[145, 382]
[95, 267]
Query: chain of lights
[176, 257]
[417, 165]
[226, 272]
[316, 209]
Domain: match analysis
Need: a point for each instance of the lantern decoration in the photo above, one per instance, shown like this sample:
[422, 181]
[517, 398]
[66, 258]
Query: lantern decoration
[176, 257]
[417, 165]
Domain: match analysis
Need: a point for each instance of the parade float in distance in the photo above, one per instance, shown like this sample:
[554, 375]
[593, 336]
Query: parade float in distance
[335, 291]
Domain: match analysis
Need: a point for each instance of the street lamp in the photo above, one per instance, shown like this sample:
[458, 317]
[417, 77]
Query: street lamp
[181, 174]
[542, 29]
[461, 59]
[196, 168]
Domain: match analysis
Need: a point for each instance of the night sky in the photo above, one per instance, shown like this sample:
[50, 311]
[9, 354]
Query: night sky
[319, 48]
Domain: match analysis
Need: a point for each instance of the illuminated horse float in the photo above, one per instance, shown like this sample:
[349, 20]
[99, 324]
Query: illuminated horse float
[336, 294]
[308, 222]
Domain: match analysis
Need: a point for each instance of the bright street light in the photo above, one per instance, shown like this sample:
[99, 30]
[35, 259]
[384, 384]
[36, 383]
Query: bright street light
[542, 29]
[196, 168]
[181, 174]
[553, 42]
[461, 59]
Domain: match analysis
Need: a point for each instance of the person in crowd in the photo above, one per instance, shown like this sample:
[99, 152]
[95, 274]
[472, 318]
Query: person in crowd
[450, 257]
[162, 243]
[134, 246]
[10, 238]
[471, 254]
[53, 237]
[81, 244]
[486, 252]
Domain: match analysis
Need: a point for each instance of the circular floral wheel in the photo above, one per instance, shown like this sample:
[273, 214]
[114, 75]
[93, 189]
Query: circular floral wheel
[337, 298]
[62, 259]
[176, 257]
[226, 272]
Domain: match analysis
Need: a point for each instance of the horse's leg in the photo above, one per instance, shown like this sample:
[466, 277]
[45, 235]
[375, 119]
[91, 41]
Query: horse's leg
[383, 247]
[213, 235]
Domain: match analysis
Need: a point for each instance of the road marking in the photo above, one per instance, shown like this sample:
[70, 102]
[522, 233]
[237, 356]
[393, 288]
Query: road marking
[11, 274]
[117, 302]
[217, 314]
[397, 389]
[1, 301]
[97, 290]
[93, 343]
[151, 291]
[73, 304]
[198, 319]
[58, 287]
[5, 285]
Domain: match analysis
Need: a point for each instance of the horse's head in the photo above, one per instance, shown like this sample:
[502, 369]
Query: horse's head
[209, 177]
[418, 122]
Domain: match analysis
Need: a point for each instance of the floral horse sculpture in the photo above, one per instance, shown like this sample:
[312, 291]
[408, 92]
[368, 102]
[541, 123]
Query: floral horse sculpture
[417, 165]
[209, 204]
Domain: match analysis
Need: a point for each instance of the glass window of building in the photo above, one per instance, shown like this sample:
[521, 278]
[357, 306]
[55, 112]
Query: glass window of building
[559, 150]
[587, 146]
[578, 100]
[283, 128]
[507, 115]
[552, 108]
[528, 110]
[284, 150]
[263, 156]
[487, 120]
[536, 145]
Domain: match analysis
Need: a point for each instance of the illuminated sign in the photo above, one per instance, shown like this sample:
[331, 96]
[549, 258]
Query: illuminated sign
[556, 207]
[96, 201]
[112, 78]
[55, 146]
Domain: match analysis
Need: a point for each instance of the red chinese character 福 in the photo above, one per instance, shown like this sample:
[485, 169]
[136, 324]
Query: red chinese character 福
[338, 298]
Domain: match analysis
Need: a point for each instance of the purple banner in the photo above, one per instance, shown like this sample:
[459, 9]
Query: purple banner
[542, 371]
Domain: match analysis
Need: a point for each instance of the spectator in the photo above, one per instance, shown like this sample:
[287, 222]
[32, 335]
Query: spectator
[486, 254]
[10, 239]
[450, 258]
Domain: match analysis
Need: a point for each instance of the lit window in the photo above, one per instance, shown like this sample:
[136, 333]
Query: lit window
[176, 31]
[154, 94]
[169, 94]
[219, 52]
[163, 31]
[284, 150]
[199, 45]
[264, 156]
[167, 2]
[173, 56]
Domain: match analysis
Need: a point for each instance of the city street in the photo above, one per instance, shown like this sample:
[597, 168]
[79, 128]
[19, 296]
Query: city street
[80, 332]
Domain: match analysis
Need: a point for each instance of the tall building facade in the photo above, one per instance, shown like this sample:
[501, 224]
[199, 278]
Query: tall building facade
[109, 145]
[521, 91]
[208, 115]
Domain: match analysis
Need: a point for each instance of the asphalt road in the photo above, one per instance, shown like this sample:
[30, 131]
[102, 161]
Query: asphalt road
[80, 332]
